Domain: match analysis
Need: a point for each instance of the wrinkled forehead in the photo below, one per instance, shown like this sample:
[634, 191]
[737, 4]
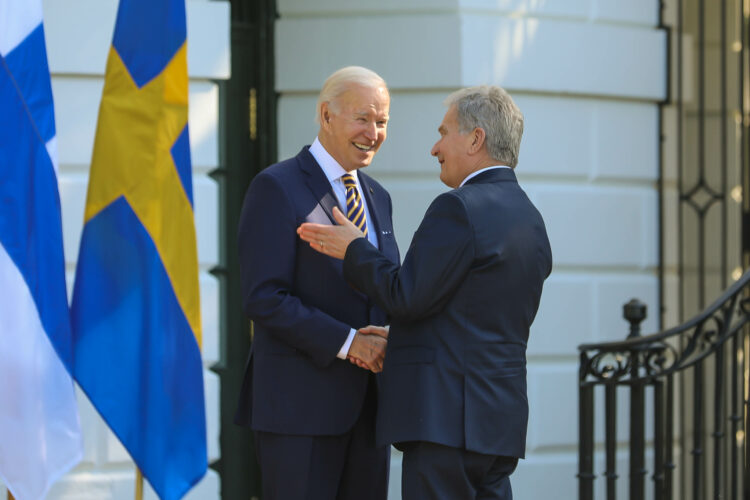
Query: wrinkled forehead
[360, 98]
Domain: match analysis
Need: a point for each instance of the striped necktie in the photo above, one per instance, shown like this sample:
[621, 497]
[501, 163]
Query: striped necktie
[355, 209]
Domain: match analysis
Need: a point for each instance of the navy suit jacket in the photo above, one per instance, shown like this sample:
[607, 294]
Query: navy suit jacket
[301, 306]
[461, 306]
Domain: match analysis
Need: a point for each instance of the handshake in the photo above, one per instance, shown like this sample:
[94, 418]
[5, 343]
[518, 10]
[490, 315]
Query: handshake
[368, 348]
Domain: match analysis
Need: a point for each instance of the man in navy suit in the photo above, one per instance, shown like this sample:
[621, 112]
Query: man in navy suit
[311, 407]
[453, 391]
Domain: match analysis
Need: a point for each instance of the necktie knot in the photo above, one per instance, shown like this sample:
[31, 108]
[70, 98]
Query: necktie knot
[349, 181]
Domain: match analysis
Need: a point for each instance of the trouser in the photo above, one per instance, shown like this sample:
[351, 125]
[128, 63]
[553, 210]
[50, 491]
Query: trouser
[344, 467]
[435, 472]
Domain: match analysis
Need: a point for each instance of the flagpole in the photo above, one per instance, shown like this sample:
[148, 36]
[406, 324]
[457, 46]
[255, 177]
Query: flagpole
[10, 496]
[138, 484]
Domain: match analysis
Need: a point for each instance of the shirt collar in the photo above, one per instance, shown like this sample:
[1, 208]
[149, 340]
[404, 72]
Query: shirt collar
[330, 166]
[477, 172]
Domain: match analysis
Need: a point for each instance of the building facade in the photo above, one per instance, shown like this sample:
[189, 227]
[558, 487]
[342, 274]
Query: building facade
[592, 79]
[589, 77]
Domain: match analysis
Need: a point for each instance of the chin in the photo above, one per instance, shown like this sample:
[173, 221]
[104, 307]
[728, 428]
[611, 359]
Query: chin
[448, 183]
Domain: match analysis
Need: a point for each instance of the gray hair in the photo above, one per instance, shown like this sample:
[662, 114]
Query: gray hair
[340, 81]
[490, 108]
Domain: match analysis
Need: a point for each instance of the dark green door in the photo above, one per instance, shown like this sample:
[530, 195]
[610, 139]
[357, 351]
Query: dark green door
[248, 144]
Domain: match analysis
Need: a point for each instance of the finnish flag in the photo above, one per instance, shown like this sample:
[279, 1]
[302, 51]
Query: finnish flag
[40, 437]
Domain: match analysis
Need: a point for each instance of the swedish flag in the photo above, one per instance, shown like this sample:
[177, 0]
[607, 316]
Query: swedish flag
[136, 308]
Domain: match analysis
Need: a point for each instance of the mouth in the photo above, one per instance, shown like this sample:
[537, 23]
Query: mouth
[363, 147]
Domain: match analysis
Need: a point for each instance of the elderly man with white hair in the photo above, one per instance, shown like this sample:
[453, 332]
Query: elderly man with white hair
[311, 406]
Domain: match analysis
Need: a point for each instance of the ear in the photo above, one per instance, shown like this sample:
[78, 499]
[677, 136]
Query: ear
[325, 115]
[477, 140]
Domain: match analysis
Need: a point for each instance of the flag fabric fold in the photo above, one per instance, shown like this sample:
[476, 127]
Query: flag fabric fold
[136, 307]
[40, 437]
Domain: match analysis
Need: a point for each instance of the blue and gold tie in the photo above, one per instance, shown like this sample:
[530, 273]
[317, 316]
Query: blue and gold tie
[355, 209]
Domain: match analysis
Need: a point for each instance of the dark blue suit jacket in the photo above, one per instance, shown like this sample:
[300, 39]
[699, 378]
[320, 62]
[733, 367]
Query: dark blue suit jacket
[301, 306]
[461, 306]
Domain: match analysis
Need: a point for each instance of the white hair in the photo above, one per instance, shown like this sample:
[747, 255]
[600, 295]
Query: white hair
[340, 81]
[492, 109]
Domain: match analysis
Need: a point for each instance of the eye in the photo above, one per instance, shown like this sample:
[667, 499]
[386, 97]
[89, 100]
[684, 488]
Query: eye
[382, 123]
[361, 119]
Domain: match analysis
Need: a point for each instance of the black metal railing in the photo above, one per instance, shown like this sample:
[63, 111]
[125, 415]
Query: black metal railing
[707, 355]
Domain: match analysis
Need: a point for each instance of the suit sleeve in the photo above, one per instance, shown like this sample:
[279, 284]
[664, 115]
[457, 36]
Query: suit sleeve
[268, 246]
[439, 257]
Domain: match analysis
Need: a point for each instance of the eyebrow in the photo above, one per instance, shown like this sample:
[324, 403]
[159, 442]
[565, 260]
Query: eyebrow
[442, 129]
[367, 113]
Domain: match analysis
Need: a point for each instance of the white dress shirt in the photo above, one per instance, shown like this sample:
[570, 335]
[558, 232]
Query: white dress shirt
[333, 172]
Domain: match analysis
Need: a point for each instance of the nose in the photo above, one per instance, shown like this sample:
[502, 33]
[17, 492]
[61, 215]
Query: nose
[434, 150]
[371, 131]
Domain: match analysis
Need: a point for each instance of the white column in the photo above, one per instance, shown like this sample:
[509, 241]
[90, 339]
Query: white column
[588, 76]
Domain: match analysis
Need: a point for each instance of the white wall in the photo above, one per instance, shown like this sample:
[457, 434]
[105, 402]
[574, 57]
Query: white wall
[79, 35]
[588, 75]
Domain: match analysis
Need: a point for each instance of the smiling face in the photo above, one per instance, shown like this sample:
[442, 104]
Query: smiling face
[354, 125]
[452, 149]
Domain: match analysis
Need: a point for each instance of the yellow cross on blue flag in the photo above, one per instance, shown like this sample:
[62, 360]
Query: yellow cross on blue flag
[136, 307]
[40, 437]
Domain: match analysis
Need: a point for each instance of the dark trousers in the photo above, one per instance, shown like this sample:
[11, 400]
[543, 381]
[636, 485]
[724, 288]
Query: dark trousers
[433, 471]
[345, 467]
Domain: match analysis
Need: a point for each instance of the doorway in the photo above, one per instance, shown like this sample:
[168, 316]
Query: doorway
[248, 145]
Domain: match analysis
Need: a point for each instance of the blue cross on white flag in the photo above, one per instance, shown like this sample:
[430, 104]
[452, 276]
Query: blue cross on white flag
[40, 437]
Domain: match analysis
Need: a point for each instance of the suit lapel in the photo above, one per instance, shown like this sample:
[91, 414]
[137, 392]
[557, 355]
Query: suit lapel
[375, 204]
[318, 182]
[321, 188]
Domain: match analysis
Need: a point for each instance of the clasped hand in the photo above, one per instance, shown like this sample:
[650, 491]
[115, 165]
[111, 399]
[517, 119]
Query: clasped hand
[368, 348]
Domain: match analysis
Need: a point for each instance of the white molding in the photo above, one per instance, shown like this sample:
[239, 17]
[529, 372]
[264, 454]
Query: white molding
[563, 57]
[445, 51]
[635, 12]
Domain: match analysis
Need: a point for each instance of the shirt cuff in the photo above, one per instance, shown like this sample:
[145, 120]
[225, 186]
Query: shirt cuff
[344, 351]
